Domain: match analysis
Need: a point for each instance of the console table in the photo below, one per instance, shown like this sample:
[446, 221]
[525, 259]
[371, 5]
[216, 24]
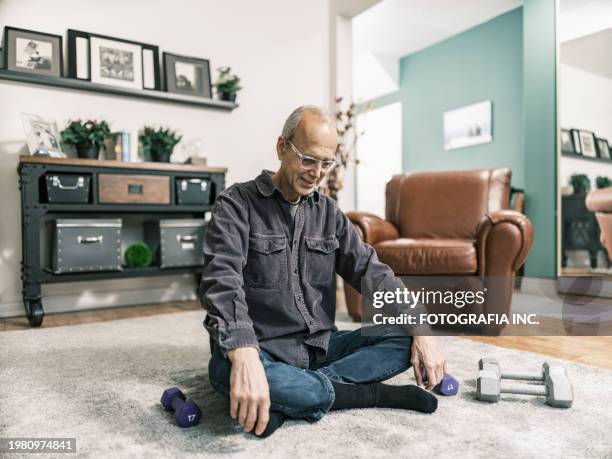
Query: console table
[37, 212]
[579, 230]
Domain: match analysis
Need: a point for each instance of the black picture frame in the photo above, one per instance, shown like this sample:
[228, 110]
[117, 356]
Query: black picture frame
[576, 141]
[603, 148]
[198, 83]
[588, 145]
[567, 142]
[80, 62]
[13, 55]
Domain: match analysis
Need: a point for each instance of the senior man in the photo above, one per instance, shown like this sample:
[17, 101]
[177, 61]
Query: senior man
[271, 253]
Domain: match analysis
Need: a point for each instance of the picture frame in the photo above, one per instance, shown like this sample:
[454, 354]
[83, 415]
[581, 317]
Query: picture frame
[113, 61]
[567, 142]
[587, 143]
[468, 126]
[42, 135]
[603, 148]
[187, 75]
[33, 52]
[576, 141]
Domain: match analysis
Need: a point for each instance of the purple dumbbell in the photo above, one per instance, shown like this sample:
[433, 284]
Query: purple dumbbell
[187, 414]
[448, 386]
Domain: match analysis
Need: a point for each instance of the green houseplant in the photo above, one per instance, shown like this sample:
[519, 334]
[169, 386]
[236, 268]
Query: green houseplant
[157, 144]
[581, 183]
[603, 182]
[227, 85]
[86, 137]
[138, 255]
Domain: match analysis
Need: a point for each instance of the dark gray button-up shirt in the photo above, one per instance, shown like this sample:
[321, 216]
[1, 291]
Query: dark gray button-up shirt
[269, 279]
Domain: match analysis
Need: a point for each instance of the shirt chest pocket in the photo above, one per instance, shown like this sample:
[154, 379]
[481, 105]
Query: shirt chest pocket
[321, 259]
[267, 260]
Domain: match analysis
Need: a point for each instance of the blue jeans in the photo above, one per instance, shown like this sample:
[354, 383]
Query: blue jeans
[351, 358]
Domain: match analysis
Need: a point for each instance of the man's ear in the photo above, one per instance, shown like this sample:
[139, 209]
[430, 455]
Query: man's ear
[280, 147]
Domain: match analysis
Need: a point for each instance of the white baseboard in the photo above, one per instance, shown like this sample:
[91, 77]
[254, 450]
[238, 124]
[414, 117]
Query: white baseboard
[183, 290]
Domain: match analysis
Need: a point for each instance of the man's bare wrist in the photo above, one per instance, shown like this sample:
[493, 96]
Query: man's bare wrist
[242, 353]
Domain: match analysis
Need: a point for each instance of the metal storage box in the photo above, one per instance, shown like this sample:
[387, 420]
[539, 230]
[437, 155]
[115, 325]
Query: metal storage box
[193, 191]
[176, 242]
[86, 245]
[67, 188]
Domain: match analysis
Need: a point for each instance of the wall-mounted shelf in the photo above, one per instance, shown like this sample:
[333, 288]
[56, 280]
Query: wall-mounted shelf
[81, 85]
[587, 158]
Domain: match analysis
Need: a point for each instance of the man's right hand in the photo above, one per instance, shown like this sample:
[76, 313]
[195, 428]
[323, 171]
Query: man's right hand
[249, 391]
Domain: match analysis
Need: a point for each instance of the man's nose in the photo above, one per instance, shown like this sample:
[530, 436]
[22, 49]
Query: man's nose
[316, 171]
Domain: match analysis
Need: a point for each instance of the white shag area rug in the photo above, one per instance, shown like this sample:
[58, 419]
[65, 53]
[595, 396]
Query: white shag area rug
[101, 383]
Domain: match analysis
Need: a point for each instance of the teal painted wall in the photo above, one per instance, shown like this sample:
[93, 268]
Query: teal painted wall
[483, 63]
[510, 60]
[540, 127]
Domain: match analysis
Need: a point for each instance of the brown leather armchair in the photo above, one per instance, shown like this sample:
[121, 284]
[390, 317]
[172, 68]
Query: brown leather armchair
[600, 202]
[448, 224]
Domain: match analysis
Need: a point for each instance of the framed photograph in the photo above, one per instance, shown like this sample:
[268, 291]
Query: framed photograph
[469, 125]
[42, 136]
[576, 141]
[187, 75]
[32, 52]
[113, 61]
[603, 148]
[587, 144]
[567, 143]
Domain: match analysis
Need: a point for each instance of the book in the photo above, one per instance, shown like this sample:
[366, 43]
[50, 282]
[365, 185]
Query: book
[118, 148]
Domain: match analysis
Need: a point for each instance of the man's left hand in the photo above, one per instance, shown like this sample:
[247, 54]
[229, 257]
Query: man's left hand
[426, 353]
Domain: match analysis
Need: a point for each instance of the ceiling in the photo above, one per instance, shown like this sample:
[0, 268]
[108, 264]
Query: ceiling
[585, 32]
[401, 27]
[592, 53]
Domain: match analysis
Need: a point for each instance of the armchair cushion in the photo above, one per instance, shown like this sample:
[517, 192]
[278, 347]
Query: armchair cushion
[371, 228]
[429, 256]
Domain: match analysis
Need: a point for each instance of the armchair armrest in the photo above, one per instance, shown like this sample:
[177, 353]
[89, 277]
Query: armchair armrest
[503, 241]
[372, 229]
[600, 200]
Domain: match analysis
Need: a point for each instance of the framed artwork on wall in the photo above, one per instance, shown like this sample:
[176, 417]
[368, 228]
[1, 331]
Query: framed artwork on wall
[603, 148]
[587, 144]
[567, 143]
[113, 61]
[469, 125]
[576, 141]
[33, 52]
[187, 75]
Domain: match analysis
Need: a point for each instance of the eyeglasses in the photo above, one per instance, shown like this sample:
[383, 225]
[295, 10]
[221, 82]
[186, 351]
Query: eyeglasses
[308, 162]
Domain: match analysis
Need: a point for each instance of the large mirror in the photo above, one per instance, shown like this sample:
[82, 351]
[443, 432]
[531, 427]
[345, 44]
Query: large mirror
[585, 122]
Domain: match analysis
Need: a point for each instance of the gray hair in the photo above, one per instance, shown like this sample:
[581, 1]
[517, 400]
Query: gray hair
[296, 116]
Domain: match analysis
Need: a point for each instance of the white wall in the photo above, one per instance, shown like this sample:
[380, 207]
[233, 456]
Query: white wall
[585, 102]
[280, 49]
[380, 155]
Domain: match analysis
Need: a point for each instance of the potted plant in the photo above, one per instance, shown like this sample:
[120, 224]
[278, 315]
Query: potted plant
[138, 255]
[603, 182]
[581, 183]
[157, 144]
[227, 85]
[86, 137]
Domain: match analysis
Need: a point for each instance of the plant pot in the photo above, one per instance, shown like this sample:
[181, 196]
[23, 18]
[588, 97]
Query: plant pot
[230, 97]
[161, 156]
[87, 151]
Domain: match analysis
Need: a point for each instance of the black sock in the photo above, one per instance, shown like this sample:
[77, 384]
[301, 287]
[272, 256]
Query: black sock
[377, 395]
[277, 419]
